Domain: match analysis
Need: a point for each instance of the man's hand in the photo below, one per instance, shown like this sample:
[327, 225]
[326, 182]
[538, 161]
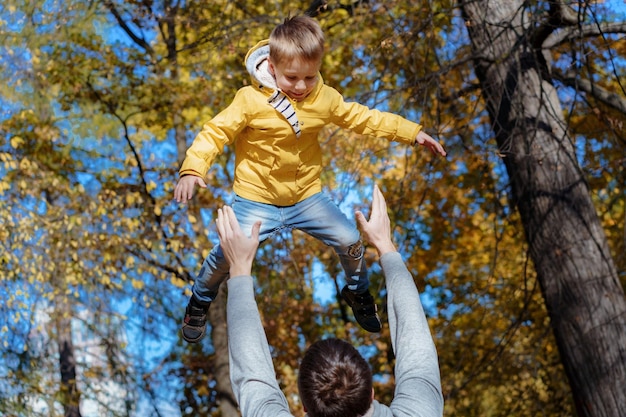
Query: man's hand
[184, 189]
[427, 141]
[377, 231]
[239, 249]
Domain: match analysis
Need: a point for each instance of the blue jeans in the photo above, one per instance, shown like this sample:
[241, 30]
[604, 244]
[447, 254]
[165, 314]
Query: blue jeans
[317, 215]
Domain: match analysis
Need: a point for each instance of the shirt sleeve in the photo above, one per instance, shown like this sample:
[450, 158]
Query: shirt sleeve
[418, 384]
[361, 119]
[215, 134]
[252, 373]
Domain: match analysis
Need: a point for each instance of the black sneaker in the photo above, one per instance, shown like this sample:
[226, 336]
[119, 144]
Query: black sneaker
[194, 324]
[363, 308]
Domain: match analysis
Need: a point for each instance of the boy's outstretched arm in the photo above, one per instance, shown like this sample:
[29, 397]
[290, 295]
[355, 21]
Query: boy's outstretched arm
[429, 142]
[185, 186]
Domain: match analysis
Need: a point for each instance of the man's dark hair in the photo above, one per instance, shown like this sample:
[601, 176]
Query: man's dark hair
[334, 380]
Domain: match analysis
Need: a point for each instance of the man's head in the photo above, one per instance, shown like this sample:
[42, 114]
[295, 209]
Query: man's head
[334, 380]
[296, 51]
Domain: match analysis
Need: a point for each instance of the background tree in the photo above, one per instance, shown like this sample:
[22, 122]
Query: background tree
[567, 245]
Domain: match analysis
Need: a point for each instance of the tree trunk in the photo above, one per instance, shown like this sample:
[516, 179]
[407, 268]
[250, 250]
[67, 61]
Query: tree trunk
[217, 315]
[69, 393]
[567, 244]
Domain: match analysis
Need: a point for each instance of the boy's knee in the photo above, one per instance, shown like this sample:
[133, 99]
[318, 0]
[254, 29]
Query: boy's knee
[355, 250]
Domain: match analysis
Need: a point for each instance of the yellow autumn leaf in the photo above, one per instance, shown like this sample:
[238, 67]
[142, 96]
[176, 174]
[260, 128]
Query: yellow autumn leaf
[138, 284]
[177, 282]
[16, 141]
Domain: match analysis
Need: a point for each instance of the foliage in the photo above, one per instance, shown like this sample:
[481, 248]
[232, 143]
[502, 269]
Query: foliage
[100, 99]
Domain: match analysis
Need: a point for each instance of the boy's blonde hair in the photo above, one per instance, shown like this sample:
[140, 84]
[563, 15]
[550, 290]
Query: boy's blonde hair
[298, 37]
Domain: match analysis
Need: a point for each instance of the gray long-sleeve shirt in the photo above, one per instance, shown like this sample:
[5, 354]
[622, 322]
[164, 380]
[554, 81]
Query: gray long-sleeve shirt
[418, 385]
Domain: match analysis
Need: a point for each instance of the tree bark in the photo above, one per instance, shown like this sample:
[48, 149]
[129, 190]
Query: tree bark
[69, 393]
[219, 334]
[567, 244]
[217, 313]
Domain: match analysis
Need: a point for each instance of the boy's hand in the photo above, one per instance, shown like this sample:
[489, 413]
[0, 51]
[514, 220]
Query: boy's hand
[377, 231]
[184, 189]
[427, 141]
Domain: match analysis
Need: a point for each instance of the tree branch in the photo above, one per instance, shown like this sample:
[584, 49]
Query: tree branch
[316, 7]
[582, 32]
[321, 6]
[169, 35]
[560, 15]
[604, 96]
[120, 20]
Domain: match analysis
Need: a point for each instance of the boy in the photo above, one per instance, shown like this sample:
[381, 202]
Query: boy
[274, 124]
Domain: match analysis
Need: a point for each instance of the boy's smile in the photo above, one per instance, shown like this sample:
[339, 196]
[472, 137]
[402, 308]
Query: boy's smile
[296, 78]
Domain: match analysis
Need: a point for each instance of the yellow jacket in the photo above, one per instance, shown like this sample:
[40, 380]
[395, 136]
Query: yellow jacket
[272, 164]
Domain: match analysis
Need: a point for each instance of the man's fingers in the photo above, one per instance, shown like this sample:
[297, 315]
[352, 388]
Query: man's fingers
[256, 227]
[228, 225]
[219, 222]
[378, 202]
[360, 218]
[231, 219]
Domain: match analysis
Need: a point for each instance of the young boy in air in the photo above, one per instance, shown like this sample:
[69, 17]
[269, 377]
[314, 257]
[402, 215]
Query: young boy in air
[274, 125]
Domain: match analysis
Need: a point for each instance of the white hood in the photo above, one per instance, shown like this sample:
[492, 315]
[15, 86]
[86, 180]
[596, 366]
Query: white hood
[257, 64]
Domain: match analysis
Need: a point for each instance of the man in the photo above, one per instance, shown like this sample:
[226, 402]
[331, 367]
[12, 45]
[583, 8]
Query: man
[334, 380]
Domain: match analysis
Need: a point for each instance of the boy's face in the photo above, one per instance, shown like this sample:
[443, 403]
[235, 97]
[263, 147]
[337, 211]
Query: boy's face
[296, 78]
